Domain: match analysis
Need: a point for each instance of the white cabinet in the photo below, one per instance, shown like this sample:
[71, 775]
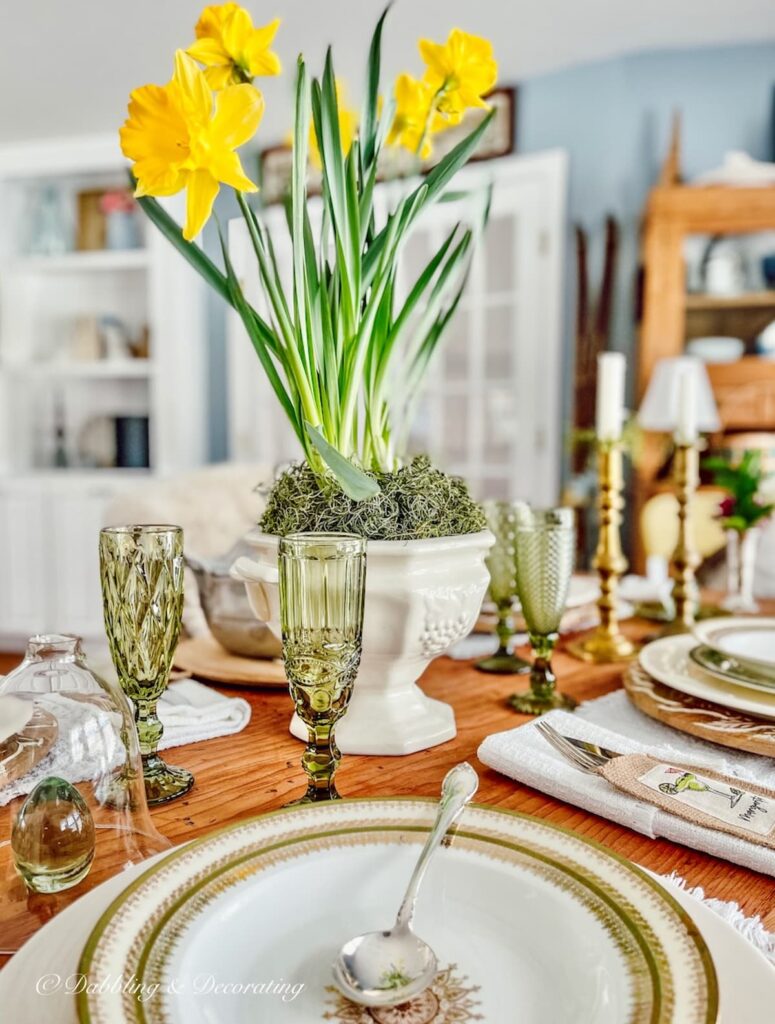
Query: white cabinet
[491, 411]
[49, 529]
[61, 401]
[23, 555]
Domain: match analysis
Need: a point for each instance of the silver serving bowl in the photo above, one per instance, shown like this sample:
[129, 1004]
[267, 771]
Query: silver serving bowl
[227, 610]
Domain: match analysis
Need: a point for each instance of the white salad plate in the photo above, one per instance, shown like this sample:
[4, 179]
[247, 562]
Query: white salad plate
[668, 661]
[750, 640]
[523, 915]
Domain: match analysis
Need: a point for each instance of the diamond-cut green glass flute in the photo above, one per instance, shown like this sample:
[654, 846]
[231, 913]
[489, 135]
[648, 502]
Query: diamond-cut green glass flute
[546, 546]
[502, 518]
[322, 581]
[141, 569]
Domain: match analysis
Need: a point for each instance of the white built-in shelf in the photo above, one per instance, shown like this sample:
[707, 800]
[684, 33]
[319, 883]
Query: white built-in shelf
[105, 369]
[78, 476]
[97, 259]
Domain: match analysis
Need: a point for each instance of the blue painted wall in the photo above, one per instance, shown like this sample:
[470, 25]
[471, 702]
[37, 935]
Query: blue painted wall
[613, 117]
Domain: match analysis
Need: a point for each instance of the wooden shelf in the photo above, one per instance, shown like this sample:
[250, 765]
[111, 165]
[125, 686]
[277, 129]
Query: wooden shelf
[98, 259]
[746, 300]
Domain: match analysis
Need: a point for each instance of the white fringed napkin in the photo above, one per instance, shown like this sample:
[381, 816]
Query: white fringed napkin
[612, 722]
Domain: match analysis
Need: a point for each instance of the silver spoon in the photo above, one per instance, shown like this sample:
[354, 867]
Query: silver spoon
[388, 968]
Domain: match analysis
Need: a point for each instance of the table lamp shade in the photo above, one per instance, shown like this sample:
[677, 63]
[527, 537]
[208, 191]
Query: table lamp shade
[660, 409]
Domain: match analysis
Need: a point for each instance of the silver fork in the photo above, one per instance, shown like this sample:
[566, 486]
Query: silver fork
[585, 756]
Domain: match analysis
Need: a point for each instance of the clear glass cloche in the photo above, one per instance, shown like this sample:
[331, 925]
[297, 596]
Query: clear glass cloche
[73, 810]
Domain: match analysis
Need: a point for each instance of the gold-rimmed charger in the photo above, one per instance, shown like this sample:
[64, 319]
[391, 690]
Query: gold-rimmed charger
[249, 896]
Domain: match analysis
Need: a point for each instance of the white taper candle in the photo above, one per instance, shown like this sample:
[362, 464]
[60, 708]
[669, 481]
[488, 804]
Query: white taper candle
[686, 414]
[611, 368]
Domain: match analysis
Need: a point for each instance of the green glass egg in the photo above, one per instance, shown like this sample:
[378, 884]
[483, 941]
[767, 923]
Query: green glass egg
[53, 837]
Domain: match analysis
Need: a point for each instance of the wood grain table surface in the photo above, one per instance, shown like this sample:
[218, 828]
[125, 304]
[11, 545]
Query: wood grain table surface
[258, 770]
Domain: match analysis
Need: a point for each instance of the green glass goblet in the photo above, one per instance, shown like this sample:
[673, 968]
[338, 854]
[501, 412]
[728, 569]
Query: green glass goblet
[322, 583]
[502, 519]
[546, 545]
[141, 569]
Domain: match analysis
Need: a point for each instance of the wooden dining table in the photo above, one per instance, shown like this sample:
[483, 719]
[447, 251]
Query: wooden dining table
[258, 770]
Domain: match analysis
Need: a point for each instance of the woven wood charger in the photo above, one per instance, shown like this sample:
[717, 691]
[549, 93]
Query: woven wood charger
[204, 658]
[699, 718]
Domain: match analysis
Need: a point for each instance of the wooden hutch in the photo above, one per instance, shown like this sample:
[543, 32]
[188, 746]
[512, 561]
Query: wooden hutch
[745, 389]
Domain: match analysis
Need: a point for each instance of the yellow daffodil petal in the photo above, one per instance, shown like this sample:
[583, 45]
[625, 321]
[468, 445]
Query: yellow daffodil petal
[227, 167]
[238, 113]
[153, 181]
[201, 190]
[262, 62]
[460, 72]
[155, 138]
[260, 59]
[433, 55]
[155, 126]
[208, 51]
[263, 36]
[229, 43]
[212, 18]
[219, 77]
[196, 97]
[413, 120]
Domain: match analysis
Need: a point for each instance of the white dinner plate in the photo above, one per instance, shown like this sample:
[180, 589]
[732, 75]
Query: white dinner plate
[39, 981]
[507, 905]
[668, 661]
[751, 640]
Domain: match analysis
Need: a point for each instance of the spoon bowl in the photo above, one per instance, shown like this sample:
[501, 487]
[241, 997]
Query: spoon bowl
[382, 968]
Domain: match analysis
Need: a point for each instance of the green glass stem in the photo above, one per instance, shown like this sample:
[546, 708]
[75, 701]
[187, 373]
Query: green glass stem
[542, 695]
[503, 662]
[149, 727]
[320, 761]
[542, 679]
[504, 630]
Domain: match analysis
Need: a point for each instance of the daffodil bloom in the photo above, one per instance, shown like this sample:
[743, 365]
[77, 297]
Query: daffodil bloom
[348, 124]
[411, 125]
[459, 71]
[231, 48]
[181, 137]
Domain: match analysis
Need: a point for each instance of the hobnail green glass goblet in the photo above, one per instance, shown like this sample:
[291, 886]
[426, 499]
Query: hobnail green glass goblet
[546, 545]
[141, 569]
[502, 519]
[322, 581]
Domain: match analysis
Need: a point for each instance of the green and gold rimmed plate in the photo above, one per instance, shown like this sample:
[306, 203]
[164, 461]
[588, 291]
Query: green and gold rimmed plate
[732, 670]
[749, 639]
[527, 919]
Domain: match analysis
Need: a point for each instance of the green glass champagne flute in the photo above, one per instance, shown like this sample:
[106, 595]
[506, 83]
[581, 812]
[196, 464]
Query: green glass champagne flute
[141, 570]
[546, 545]
[322, 584]
[502, 519]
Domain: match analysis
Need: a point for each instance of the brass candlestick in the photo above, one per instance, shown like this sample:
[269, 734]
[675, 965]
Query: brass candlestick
[685, 560]
[606, 643]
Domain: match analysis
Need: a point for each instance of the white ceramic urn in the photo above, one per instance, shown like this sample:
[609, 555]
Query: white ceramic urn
[421, 597]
